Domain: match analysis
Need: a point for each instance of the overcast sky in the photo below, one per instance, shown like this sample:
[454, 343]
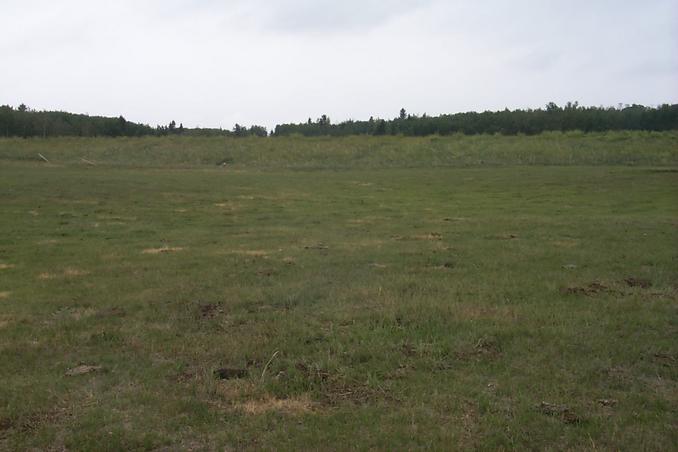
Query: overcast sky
[213, 63]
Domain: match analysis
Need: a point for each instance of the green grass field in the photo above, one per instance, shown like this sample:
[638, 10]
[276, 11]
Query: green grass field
[381, 293]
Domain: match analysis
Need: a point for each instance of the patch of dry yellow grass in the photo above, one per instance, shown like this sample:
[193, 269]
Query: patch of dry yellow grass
[566, 243]
[67, 273]
[292, 406]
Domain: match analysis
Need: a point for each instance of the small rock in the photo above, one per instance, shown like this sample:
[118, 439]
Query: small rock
[569, 266]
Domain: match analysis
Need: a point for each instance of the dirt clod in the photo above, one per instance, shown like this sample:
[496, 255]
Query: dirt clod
[665, 359]
[226, 373]
[209, 310]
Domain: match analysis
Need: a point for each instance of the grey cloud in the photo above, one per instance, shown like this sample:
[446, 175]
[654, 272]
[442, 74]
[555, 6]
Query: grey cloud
[323, 16]
[216, 62]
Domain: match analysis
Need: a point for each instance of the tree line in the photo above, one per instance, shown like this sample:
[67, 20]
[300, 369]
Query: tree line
[572, 116]
[25, 122]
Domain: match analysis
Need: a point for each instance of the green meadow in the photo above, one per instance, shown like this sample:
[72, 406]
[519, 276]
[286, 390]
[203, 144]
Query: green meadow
[390, 293]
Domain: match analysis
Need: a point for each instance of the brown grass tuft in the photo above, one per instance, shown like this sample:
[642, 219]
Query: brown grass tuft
[72, 272]
[253, 253]
[292, 406]
[163, 250]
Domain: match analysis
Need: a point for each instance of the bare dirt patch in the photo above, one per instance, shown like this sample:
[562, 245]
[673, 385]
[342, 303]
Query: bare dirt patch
[163, 250]
[111, 312]
[638, 282]
[252, 253]
[227, 373]
[210, 310]
[589, 290]
[4, 295]
[563, 412]
[470, 421]
[6, 266]
[82, 370]
[665, 359]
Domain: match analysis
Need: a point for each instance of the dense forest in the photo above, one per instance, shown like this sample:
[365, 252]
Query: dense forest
[552, 118]
[25, 122]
